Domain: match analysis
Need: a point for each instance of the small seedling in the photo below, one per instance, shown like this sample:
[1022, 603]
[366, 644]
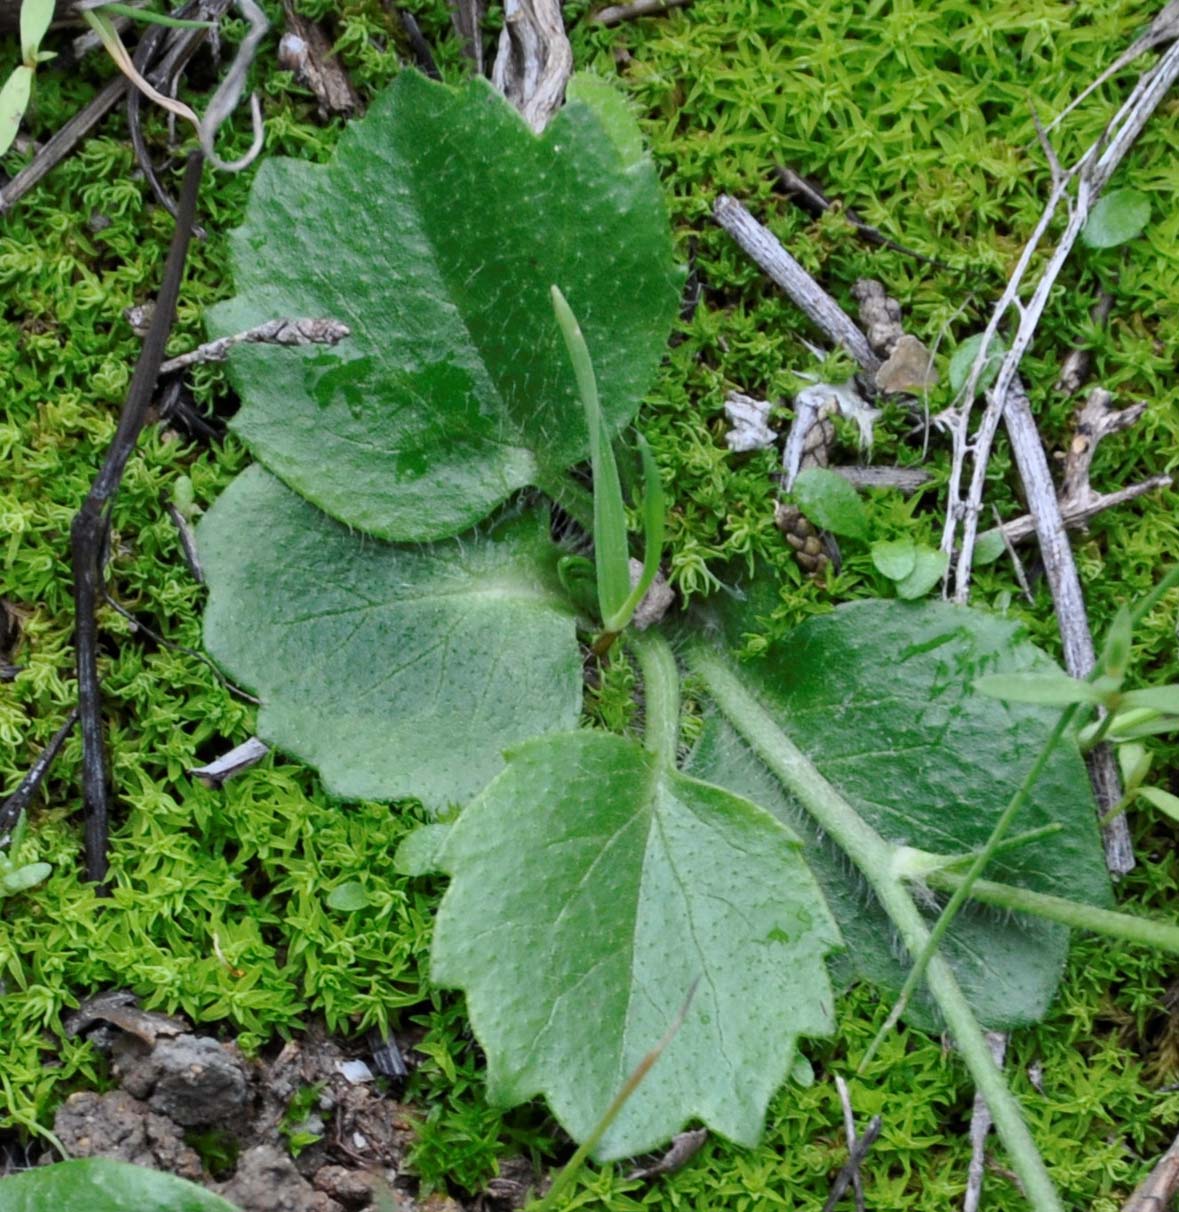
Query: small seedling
[16, 877]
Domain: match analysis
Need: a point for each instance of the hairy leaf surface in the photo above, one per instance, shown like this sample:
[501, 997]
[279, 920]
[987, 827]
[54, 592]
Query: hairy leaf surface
[435, 233]
[590, 889]
[395, 670]
[879, 696]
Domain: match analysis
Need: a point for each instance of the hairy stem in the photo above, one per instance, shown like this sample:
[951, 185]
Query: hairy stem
[874, 857]
[661, 693]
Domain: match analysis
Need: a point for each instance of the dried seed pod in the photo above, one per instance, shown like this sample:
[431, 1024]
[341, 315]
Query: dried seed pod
[803, 537]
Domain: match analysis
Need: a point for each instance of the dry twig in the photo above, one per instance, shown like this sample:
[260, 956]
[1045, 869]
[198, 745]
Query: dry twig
[812, 199]
[980, 1125]
[467, 18]
[535, 60]
[849, 1129]
[618, 13]
[1090, 175]
[856, 1155]
[89, 528]
[305, 50]
[1159, 1187]
[217, 773]
[272, 332]
[764, 248]
[22, 797]
[63, 142]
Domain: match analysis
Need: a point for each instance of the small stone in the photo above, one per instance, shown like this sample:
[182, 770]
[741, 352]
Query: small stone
[352, 1188]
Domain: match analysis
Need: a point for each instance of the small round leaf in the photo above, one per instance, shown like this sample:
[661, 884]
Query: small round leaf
[1117, 218]
[831, 503]
[965, 355]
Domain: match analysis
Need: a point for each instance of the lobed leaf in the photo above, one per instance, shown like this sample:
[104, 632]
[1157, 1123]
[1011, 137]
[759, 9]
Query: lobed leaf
[434, 234]
[879, 695]
[591, 888]
[396, 671]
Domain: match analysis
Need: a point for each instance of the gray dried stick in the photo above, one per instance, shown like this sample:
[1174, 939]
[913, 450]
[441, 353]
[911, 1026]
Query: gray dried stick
[765, 249]
[534, 60]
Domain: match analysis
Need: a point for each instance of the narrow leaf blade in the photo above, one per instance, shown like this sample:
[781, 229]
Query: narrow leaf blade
[1049, 688]
[611, 557]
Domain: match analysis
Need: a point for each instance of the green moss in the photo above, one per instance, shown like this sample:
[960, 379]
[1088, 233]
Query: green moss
[918, 116]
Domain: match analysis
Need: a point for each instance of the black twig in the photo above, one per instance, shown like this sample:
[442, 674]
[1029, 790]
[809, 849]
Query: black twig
[423, 56]
[812, 199]
[22, 797]
[856, 1154]
[89, 528]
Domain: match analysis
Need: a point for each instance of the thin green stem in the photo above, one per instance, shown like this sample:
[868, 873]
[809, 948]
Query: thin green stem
[632, 1083]
[149, 18]
[1061, 909]
[946, 917]
[661, 693]
[874, 857]
[962, 892]
[573, 497]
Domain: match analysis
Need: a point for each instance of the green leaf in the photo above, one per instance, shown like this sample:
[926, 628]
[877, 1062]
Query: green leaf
[349, 897]
[454, 389]
[421, 852]
[1164, 801]
[879, 695]
[611, 556]
[590, 888]
[894, 558]
[14, 100]
[929, 567]
[1115, 653]
[613, 112]
[989, 548]
[1159, 698]
[1119, 216]
[831, 503]
[397, 671]
[1049, 688]
[1134, 763]
[24, 878]
[963, 360]
[98, 1185]
[35, 18]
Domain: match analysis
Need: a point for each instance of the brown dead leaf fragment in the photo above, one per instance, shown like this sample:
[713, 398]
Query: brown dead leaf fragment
[907, 370]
